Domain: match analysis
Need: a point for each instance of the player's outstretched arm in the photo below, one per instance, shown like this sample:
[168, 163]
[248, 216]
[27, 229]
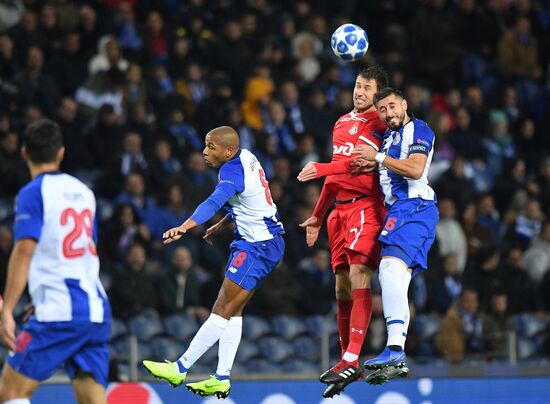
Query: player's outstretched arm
[204, 212]
[18, 275]
[313, 170]
[175, 233]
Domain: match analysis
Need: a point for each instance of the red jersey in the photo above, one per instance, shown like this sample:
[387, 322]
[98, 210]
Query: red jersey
[349, 131]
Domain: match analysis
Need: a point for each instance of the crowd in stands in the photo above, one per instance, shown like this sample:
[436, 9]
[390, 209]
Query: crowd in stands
[135, 86]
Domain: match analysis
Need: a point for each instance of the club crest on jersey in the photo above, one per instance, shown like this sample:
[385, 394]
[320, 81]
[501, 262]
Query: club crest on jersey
[354, 129]
[397, 138]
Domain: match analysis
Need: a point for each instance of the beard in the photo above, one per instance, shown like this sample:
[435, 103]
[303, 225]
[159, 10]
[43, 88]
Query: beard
[396, 126]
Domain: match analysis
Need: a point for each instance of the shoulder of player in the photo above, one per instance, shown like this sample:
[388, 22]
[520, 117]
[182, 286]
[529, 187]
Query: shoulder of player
[421, 128]
[32, 187]
[236, 164]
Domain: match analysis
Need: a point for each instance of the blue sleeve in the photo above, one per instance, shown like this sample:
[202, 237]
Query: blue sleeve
[423, 139]
[204, 212]
[29, 213]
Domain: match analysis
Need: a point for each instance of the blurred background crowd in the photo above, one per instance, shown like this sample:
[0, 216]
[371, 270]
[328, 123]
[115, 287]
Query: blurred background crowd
[135, 86]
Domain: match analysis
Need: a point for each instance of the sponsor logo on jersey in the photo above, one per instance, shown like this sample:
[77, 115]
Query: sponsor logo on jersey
[344, 149]
[354, 129]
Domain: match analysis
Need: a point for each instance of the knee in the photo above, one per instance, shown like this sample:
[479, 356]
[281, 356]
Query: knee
[343, 292]
[10, 392]
[360, 277]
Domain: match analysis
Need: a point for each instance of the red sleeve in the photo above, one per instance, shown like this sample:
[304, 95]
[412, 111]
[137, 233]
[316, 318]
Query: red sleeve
[323, 203]
[332, 168]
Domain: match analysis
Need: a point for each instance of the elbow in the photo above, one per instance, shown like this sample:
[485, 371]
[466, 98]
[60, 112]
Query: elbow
[417, 174]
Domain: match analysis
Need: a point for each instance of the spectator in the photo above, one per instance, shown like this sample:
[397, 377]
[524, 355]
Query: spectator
[77, 158]
[68, 66]
[454, 184]
[518, 52]
[128, 30]
[13, 170]
[449, 234]
[536, 260]
[477, 237]
[447, 284]
[123, 230]
[278, 129]
[156, 43]
[462, 329]
[37, 87]
[518, 285]
[529, 221]
[178, 287]
[196, 180]
[163, 165]
[135, 193]
[171, 214]
[108, 57]
[487, 277]
[132, 290]
[6, 242]
[498, 326]
[315, 277]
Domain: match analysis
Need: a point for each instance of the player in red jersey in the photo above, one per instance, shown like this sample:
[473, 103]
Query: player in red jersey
[353, 226]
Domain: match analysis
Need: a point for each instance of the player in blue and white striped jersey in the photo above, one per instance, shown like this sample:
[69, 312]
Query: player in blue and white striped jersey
[257, 248]
[409, 226]
[55, 252]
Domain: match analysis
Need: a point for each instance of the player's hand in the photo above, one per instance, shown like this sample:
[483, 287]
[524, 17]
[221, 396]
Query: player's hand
[173, 234]
[211, 232]
[363, 166]
[309, 172]
[8, 330]
[312, 230]
[365, 152]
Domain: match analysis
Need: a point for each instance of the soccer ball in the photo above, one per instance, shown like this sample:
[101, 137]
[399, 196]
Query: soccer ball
[349, 42]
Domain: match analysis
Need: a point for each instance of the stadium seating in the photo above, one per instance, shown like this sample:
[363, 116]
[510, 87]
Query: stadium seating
[288, 326]
[321, 325]
[146, 325]
[528, 325]
[255, 327]
[247, 350]
[276, 349]
[118, 329]
[166, 348]
[261, 365]
[180, 326]
[299, 365]
[307, 348]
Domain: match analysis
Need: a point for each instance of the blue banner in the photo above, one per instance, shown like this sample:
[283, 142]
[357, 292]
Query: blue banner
[448, 391]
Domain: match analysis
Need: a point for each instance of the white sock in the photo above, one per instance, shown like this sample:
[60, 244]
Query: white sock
[229, 343]
[350, 357]
[405, 285]
[394, 301]
[208, 335]
[18, 401]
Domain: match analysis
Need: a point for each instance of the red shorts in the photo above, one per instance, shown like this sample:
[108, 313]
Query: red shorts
[353, 231]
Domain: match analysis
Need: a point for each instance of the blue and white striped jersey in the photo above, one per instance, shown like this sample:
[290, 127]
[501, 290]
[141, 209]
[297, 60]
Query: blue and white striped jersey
[414, 137]
[243, 191]
[57, 211]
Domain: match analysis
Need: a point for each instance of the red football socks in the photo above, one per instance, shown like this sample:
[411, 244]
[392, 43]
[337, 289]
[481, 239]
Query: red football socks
[359, 321]
[343, 316]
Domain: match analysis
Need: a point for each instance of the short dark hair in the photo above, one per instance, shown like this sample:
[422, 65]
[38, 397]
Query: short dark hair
[42, 140]
[376, 73]
[386, 92]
